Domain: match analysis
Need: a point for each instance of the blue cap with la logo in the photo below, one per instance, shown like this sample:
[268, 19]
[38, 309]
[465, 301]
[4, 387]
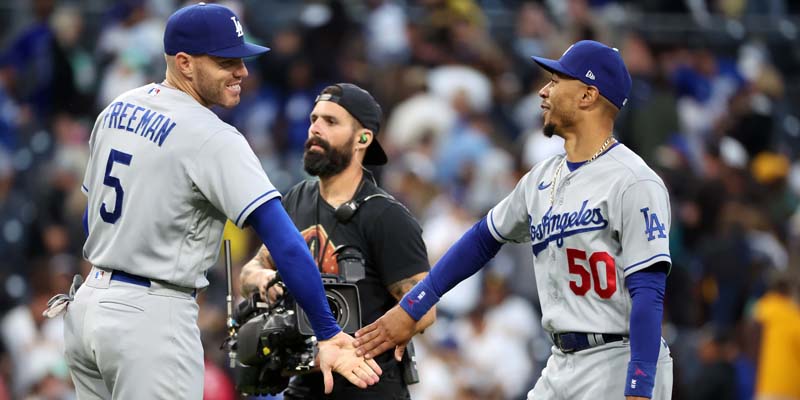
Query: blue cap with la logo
[207, 29]
[594, 64]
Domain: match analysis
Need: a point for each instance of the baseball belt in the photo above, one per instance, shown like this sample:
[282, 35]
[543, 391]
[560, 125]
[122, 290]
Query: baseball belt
[122, 276]
[571, 342]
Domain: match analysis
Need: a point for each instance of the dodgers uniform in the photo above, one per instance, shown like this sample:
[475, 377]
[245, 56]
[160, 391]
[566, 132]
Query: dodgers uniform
[595, 228]
[608, 219]
[164, 175]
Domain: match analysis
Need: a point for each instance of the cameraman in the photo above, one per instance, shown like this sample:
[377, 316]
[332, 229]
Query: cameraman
[344, 122]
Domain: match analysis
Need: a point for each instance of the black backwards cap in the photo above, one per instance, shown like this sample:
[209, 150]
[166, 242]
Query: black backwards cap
[363, 107]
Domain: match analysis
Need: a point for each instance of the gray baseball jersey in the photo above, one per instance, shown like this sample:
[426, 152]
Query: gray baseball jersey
[610, 218]
[164, 175]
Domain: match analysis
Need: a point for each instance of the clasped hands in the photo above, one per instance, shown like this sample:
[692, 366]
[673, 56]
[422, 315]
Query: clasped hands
[335, 354]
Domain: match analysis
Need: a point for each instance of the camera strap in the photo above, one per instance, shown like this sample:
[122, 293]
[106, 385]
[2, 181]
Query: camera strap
[322, 247]
[320, 253]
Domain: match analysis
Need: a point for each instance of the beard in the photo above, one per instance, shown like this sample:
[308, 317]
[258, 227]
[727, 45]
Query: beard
[210, 91]
[330, 161]
[549, 130]
[564, 121]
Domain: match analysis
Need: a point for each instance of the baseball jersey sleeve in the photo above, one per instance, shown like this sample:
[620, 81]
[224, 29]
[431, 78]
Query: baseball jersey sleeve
[230, 176]
[646, 219]
[509, 221]
[87, 176]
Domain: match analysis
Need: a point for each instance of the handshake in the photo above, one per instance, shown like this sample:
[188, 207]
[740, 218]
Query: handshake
[274, 340]
[280, 327]
[393, 330]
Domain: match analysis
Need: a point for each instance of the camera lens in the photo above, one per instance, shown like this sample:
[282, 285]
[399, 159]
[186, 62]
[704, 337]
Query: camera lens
[338, 307]
[335, 309]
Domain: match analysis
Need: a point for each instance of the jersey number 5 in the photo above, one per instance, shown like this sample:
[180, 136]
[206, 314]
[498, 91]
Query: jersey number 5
[116, 156]
[588, 281]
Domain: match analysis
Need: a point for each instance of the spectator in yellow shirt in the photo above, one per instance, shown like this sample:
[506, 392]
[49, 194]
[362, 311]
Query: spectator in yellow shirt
[778, 317]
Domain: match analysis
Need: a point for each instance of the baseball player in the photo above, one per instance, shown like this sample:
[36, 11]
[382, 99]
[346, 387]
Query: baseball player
[597, 219]
[164, 175]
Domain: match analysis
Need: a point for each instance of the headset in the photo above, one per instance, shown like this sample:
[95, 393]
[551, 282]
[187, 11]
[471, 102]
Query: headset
[363, 138]
[346, 211]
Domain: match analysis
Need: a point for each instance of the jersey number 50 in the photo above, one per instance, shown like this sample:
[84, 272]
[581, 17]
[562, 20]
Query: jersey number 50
[586, 281]
[116, 156]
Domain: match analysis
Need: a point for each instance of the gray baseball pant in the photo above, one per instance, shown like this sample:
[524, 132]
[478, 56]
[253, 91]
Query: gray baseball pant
[125, 341]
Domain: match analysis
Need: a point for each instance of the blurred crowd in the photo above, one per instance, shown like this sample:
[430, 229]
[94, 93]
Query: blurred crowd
[714, 109]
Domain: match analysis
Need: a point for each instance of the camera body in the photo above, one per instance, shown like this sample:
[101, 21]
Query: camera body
[273, 342]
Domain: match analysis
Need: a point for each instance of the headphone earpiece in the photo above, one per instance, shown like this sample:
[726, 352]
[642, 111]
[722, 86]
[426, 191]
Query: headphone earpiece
[363, 138]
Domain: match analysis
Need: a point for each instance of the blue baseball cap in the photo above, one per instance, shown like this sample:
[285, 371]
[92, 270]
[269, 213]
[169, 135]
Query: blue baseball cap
[207, 29]
[594, 64]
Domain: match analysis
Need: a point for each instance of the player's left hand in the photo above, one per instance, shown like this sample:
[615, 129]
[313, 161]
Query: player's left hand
[635, 398]
[393, 329]
[338, 354]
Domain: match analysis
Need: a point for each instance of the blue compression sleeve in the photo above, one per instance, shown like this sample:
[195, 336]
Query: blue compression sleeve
[462, 260]
[295, 265]
[86, 221]
[647, 293]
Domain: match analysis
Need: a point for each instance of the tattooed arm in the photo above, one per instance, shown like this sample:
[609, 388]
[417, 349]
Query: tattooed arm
[398, 290]
[257, 273]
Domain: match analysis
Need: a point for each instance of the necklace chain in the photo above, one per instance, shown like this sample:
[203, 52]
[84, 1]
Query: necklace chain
[556, 175]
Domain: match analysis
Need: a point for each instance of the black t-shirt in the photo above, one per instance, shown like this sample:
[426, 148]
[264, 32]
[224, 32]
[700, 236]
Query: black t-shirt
[382, 229]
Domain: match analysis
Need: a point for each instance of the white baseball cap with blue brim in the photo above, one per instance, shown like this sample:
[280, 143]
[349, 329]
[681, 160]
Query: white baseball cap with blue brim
[594, 64]
[208, 29]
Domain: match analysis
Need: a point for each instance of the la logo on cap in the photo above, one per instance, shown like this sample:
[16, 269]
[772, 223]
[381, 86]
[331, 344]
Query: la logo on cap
[238, 26]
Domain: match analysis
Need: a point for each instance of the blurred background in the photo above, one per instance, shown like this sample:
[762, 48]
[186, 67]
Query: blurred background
[714, 109]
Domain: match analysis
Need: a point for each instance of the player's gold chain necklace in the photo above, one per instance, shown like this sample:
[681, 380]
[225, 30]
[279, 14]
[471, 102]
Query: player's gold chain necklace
[556, 175]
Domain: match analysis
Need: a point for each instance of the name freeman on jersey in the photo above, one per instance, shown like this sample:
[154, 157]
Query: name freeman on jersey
[129, 117]
[556, 227]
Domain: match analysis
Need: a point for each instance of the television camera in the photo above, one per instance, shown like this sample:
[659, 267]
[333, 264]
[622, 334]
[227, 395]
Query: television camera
[269, 342]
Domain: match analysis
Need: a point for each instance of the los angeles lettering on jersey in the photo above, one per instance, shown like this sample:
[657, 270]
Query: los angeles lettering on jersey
[139, 120]
[557, 227]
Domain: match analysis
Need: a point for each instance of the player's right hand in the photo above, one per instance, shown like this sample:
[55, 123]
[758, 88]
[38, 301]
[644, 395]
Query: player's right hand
[338, 354]
[392, 330]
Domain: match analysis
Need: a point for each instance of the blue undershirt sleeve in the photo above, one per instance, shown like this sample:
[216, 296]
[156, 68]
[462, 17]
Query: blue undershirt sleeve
[466, 257]
[295, 265]
[647, 294]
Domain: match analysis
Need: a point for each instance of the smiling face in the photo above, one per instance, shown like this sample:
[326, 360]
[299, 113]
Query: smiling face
[218, 80]
[560, 100]
[331, 140]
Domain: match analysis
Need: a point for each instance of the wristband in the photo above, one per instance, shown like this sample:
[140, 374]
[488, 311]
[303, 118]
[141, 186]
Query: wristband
[641, 379]
[419, 300]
